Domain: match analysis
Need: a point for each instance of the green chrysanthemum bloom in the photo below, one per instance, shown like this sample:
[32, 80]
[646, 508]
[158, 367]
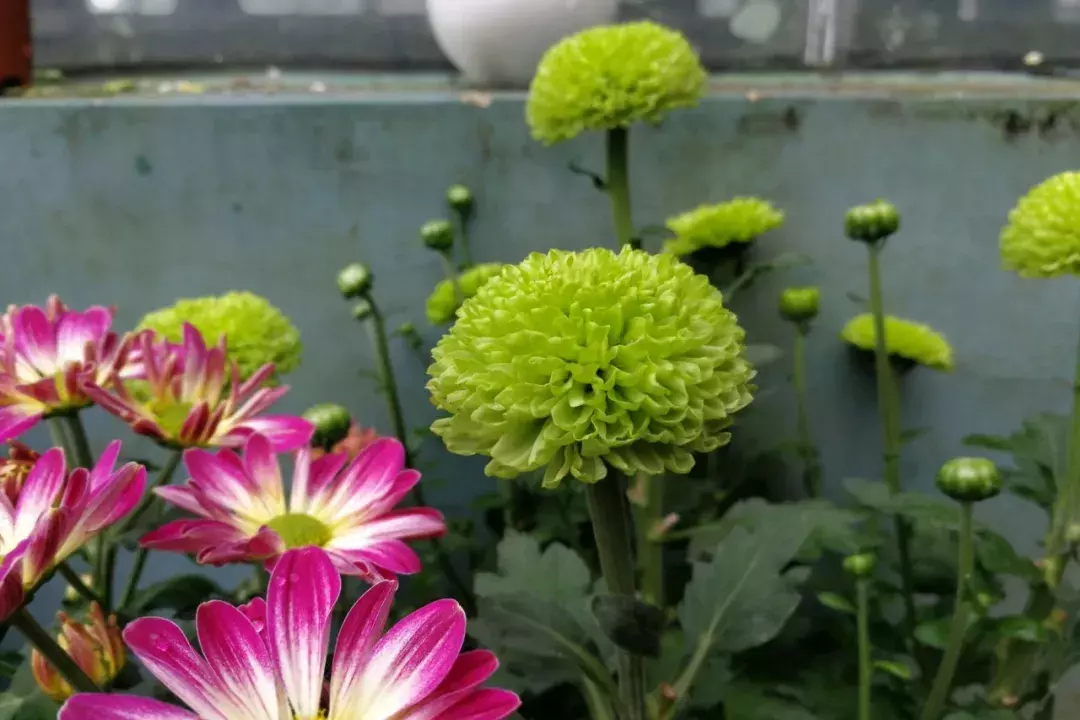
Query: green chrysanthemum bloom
[612, 77]
[257, 332]
[576, 361]
[739, 220]
[442, 303]
[904, 339]
[1042, 238]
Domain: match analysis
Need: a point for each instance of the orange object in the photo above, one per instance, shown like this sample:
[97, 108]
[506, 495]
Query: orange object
[16, 48]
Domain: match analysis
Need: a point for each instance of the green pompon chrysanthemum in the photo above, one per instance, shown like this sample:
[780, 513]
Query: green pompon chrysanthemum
[739, 220]
[904, 339]
[442, 303]
[257, 332]
[576, 361]
[1042, 238]
[612, 77]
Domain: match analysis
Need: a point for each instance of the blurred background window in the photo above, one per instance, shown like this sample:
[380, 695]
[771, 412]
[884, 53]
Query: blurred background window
[92, 35]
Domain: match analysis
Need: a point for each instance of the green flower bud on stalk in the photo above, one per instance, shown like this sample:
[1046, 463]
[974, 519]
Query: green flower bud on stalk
[362, 310]
[799, 304]
[438, 235]
[355, 280]
[1072, 534]
[460, 200]
[873, 222]
[967, 479]
[861, 565]
[331, 424]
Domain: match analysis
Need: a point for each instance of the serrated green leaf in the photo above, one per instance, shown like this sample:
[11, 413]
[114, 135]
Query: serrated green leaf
[837, 602]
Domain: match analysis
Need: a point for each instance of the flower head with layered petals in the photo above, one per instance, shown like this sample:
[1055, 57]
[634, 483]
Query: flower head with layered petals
[1042, 237]
[190, 395]
[258, 333]
[267, 660]
[46, 356]
[345, 507]
[56, 513]
[575, 361]
[904, 339]
[739, 220]
[612, 77]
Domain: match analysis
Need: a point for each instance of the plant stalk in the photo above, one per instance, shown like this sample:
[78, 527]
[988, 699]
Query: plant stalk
[650, 549]
[36, 635]
[807, 449]
[452, 276]
[376, 327]
[139, 564]
[889, 410]
[1067, 507]
[79, 454]
[866, 669]
[77, 583]
[611, 521]
[939, 693]
[617, 185]
[463, 235]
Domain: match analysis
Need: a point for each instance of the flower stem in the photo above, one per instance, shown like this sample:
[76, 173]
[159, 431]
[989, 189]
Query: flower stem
[377, 333]
[807, 449]
[866, 670]
[463, 235]
[650, 551]
[452, 276]
[79, 450]
[611, 521]
[939, 693]
[25, 623]
[618, 185]
[139, 564]
[76, 582]
[1067, 506]
[889, 410]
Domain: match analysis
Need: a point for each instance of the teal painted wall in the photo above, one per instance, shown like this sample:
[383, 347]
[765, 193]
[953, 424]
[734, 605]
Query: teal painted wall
[137, 201]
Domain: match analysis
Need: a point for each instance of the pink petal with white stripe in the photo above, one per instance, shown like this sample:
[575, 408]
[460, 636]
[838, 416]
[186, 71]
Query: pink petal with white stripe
[11, 581]
[167, 654]
[35, 339]
[17, 419]
[300, 601]
[389, 557]
[370, 475]
[358, 637]
[285, 432]
[240, 659]
[484, 704]
[470, 671]
[40, 491]
[407, 664]
[95, 706]
[74, 330]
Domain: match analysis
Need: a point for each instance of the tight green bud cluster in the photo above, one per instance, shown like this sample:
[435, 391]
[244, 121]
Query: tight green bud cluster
[438, 235]
[800, 304]
[861, 565]
[872, 222]
[355, 280]
[968, 479]
[331, 424]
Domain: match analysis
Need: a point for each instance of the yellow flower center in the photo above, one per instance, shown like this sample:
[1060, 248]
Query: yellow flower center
[170, 415]
[299, 530]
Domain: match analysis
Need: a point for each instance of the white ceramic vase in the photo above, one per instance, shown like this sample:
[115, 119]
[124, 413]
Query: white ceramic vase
[498, 43]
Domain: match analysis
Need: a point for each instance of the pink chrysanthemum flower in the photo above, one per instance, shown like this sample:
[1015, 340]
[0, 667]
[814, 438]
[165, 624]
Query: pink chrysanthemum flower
[189, 395]
[265, 661]
[346, 509]
[46, 356]
[56, 513]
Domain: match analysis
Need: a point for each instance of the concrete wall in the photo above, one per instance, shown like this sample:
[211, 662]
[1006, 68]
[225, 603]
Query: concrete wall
[137, 201]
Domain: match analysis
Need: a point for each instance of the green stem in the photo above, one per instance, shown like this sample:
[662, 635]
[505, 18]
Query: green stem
[377, 334]
[1067, 507]
[939, 693]
[889, 410]
[463, 234]
[76, 582]
[617, 185]
[866, 670]
[58, 432]
[139, 564]
[650, 549]
[452, 276]
[80, 454]
[25, 623]
[610, 513]
[807, 449]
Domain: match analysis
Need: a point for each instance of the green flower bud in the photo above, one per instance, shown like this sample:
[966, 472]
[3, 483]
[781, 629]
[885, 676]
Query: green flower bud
[460, 199]
[1072, 534]
[331, 424]
[968, 479]
[362, 310]
[799, 304]
[406, 328]
[438, 235]
[861, 565]
[873, 222]
[354, 280]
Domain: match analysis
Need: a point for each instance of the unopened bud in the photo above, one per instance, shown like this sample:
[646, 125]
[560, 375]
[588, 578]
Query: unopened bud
[438, 235]
[799, 304]
[354, 280]
[331, 423]
[872, 222]
[861, 565]
[967, 479]
[362, 310]
[96, 646]
[460, 199]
